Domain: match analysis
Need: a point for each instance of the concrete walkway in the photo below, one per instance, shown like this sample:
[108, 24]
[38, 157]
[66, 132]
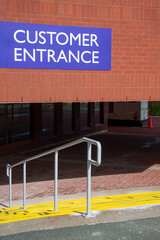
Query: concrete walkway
[118, 216]
[141, 229]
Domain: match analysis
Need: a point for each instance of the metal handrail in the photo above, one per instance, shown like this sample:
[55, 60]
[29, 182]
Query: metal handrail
[90, 161]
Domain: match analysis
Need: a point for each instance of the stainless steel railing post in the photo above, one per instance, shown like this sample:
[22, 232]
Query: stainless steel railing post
[10, 187]
[9, 174]
[55, 179]
[89, 146]
[24, 185]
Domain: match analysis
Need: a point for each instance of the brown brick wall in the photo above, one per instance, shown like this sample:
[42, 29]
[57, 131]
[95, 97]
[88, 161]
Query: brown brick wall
[135, 73]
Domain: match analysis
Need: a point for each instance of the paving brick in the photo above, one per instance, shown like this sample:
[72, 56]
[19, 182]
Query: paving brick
[126, 163]
[135, 30]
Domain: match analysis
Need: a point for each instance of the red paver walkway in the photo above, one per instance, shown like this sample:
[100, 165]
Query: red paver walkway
[128, 160]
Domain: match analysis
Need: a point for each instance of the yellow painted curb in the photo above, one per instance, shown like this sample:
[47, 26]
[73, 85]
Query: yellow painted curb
[78, 206]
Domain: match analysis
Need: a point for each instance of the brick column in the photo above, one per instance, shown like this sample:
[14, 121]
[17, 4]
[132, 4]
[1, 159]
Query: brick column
[91, 114]
[58, 119]
[76, 116]
[36, 120]
[104, 113]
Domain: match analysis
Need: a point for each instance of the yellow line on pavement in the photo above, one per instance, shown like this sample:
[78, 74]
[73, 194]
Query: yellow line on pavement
[78, 206]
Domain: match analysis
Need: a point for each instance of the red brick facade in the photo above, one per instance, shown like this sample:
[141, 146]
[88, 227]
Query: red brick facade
[135, 73]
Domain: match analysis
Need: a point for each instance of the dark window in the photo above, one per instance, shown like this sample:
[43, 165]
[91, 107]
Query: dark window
[97, 113]
[14, 123]
[84, 115]
[10, 123]
[21, 122]
[47, 118]
[3, 123]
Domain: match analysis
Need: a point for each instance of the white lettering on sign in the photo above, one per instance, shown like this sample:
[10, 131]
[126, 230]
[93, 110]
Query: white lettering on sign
[26, 53]
[17, 54]
[72, 37]
[22, 54]
[15, 36]
[82, 57]
[75, 57]
[94, 39]
[50, 56]
[61, 38]
[54, 39]
[41, 35]
[51, 34]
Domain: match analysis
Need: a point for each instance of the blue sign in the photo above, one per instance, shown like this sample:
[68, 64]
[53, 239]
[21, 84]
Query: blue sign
[39, 46]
